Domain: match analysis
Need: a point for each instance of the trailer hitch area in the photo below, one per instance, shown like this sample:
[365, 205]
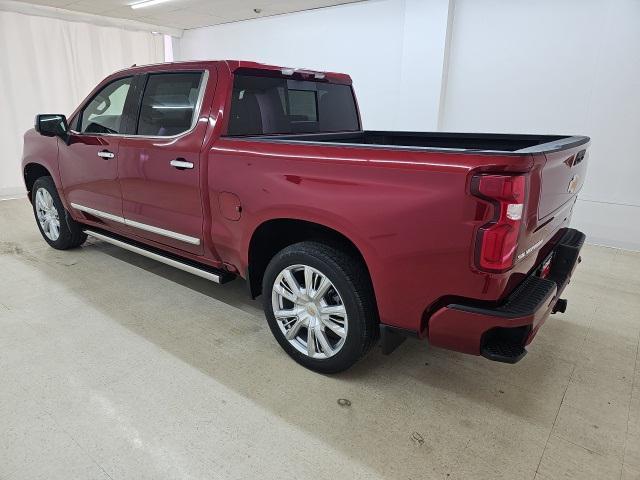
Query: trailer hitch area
[560, 306]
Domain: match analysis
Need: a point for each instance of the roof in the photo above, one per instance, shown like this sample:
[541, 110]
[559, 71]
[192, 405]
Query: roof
[234, 65]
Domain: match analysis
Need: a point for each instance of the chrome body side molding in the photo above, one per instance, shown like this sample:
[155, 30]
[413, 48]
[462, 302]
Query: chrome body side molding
[163, 232]
[98, 213]
[200, 272]
[142, 226]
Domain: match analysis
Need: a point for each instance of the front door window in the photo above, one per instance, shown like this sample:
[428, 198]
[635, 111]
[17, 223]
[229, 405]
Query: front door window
[103, 114]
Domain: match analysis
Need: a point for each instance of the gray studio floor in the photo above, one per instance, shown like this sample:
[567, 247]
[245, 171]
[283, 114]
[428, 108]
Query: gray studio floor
[113, 366]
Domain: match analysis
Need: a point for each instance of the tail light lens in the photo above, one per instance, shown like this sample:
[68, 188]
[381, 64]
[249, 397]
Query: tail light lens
[497, 241]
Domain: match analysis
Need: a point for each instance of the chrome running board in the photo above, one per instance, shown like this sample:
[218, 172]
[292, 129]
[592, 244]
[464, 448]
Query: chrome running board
[210, 273]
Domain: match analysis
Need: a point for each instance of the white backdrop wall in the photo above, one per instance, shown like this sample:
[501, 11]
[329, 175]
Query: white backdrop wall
[49, 65]
[522, 66]
[548, 66]
[393, 50]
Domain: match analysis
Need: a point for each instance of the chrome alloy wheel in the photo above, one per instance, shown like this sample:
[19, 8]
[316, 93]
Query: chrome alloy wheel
[309, 311]
[47, 214]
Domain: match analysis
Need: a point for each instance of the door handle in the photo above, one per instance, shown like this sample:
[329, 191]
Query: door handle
[106, 154]
[181, 164]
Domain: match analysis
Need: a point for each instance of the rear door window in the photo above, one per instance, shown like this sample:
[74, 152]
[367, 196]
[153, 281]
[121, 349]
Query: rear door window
[169, 104]
[274, 105]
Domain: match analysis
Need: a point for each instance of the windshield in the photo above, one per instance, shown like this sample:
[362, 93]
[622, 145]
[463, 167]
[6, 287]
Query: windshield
[269, 105]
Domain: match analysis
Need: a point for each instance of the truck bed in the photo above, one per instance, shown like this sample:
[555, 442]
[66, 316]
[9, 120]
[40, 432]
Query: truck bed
[496, 143]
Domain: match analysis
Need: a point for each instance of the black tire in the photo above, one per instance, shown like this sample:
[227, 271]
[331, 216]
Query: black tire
[350, 279]
[71, 234]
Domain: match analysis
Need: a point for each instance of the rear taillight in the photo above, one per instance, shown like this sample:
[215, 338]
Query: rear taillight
[497, 240]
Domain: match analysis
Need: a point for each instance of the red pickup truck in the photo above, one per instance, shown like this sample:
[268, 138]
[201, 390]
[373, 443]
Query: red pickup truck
[233, 168]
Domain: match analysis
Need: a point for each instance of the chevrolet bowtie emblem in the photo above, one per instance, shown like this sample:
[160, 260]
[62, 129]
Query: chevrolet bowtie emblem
[573, 184]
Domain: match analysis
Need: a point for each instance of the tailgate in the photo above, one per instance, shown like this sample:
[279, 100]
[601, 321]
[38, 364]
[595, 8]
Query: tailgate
[562, 178]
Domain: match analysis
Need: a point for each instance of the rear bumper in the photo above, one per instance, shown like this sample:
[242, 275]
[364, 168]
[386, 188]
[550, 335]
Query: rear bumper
[501, 332]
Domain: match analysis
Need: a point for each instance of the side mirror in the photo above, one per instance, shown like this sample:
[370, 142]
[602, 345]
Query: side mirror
[52, 125]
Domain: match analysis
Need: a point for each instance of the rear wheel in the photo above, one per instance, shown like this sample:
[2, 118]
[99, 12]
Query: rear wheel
[320, 306]
[56, 225]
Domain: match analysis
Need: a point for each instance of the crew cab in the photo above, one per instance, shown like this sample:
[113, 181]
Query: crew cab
[232, 169]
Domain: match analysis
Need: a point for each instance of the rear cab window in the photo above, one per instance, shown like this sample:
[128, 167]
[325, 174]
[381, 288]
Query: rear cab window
[262, 105]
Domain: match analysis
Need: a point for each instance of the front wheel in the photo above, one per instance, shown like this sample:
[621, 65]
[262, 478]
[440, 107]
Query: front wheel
[55, 224]
[319, 305]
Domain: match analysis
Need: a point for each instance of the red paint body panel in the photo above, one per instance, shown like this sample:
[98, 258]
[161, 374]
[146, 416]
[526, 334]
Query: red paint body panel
[408, 211]
[43, 151]
[89, 179]
[408, 219]
[561, 169]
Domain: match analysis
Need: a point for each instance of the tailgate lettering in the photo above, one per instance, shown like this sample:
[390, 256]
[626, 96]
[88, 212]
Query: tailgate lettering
[530, 249]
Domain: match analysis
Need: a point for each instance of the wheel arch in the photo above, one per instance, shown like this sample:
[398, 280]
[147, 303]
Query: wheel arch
[31, 172]
[274, 234]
